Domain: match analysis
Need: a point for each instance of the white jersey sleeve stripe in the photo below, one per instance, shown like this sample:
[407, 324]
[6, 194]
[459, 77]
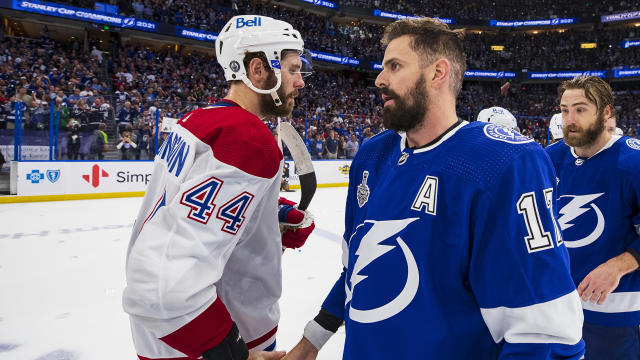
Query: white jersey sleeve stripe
[616, 303]
[557, 321]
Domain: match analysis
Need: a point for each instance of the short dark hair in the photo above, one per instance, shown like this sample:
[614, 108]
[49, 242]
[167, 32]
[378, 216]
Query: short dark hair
[432, 39]
[595, 89]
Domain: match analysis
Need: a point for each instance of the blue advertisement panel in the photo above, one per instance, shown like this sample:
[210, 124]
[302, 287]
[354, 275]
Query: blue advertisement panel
[323, 3]
[565, 74]
[71, 12]
[621, 16]
[333, 58]
[196, 34]
[630, 43]
[490, 74]
[621, 73]
[398, 16]
[540, 22]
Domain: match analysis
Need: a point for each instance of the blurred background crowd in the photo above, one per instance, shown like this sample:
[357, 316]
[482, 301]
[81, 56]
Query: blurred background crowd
[110, 95]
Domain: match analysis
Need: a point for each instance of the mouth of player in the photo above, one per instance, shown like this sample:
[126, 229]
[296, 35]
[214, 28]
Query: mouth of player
[386, 99]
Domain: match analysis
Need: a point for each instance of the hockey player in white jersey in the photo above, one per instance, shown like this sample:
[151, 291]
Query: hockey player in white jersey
[203, 264]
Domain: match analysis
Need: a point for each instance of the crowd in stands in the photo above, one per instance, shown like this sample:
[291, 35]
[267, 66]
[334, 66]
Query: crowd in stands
[131, 85]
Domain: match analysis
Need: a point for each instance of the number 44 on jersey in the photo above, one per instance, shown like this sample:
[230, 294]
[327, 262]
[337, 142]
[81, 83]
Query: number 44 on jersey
[201, 200]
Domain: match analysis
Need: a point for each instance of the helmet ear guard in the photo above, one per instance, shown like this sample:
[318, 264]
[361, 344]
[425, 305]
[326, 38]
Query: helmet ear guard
[254, 33]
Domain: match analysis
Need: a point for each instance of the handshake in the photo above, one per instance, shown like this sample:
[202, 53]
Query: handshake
[303, 351]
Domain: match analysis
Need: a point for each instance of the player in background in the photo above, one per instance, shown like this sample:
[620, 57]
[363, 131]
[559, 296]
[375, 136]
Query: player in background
[499, 116]
[204, 261]
[451, 249]
[598, 199]
[555, 128]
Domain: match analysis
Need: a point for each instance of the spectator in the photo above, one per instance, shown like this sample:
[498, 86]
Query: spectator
[73, 141]
[331, 146]
[352, 147]
[128, 145]
[100, 143]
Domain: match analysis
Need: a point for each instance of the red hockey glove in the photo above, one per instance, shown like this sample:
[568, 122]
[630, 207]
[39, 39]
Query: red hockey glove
[295, 225]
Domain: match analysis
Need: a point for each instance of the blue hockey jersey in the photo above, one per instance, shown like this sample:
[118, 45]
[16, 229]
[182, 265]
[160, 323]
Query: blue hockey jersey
[451, 251]
[598, 206]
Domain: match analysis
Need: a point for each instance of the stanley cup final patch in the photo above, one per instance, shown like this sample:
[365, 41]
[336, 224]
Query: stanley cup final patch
[363, 190]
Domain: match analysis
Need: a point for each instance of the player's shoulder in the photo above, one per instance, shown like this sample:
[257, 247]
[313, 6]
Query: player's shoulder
[236, 137]
[484, 153]
[486, 139]
[378, 146]
[629, 153]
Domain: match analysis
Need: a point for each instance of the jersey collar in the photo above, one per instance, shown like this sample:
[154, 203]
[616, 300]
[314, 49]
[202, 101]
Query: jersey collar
[436, 142]
[609, 144]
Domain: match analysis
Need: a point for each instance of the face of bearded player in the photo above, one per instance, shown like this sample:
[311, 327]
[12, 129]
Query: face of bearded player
[403, 93]
[583, 123]
[288, 91]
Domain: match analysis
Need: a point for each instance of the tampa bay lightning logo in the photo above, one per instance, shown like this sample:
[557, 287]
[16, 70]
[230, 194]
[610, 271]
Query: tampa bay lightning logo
[371, 249]
[500, 74]
[53, 175]
[555, 21]
[578, 208]
[633, 143]
[128, 22]
[500, 133]
[275, 64]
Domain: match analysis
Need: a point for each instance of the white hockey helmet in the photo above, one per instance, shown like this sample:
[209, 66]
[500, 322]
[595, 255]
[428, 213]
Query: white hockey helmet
[255, 33]
[619, 131]
[555, 126]
[499, 116]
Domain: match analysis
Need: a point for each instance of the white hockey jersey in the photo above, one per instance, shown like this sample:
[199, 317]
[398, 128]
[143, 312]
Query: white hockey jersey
[206, 249]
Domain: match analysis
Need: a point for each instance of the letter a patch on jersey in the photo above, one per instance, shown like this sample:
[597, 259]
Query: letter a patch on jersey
[427, 197]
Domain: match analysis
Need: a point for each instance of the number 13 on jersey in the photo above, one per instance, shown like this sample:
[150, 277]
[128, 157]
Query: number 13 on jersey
[538, 239]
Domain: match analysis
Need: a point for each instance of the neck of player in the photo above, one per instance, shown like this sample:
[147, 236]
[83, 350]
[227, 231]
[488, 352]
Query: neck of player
[440, 116]
[588, 151]
[245, 98]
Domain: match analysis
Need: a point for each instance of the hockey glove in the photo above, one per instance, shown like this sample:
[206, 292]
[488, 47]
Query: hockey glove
[295, 225]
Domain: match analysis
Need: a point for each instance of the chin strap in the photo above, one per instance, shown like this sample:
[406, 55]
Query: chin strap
[273, 92]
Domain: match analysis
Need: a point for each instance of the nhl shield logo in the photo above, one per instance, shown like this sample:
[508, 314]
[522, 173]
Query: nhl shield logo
[53, 175]
[363, 190]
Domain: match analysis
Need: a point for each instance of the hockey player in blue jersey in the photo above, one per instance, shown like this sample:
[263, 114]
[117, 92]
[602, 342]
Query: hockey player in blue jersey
[598, 200]
[451, 249]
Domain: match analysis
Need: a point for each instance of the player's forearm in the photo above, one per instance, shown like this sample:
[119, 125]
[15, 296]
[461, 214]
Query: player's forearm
[624, 263]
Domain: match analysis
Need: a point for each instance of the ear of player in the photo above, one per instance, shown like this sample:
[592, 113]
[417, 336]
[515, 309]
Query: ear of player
[295, 225]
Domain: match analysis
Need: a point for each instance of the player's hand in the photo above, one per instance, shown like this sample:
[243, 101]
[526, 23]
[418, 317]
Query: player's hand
[304, 350]
[266, 355]
[600, 282]
[295, 225]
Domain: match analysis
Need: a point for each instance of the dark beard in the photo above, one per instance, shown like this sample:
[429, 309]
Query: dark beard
[268, 107]
[403, 115]
[586, 136]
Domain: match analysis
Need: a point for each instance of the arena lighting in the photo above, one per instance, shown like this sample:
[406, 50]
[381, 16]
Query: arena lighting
[497, 47]
[588, 45]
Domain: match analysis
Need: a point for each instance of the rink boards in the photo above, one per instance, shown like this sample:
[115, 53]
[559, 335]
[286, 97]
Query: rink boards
[69, 180]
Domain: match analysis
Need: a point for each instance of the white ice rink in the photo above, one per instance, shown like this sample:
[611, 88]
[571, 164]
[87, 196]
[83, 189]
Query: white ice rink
[62, 276]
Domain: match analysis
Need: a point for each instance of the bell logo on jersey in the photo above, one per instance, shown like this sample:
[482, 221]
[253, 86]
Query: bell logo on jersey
[371, 249]
[577, 208]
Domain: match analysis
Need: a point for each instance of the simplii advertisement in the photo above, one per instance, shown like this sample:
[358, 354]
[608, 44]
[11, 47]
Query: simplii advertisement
[98, 177]
[82, 177]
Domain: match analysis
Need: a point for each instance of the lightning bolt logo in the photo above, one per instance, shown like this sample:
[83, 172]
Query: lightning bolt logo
[370, 249]
[573, 209]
